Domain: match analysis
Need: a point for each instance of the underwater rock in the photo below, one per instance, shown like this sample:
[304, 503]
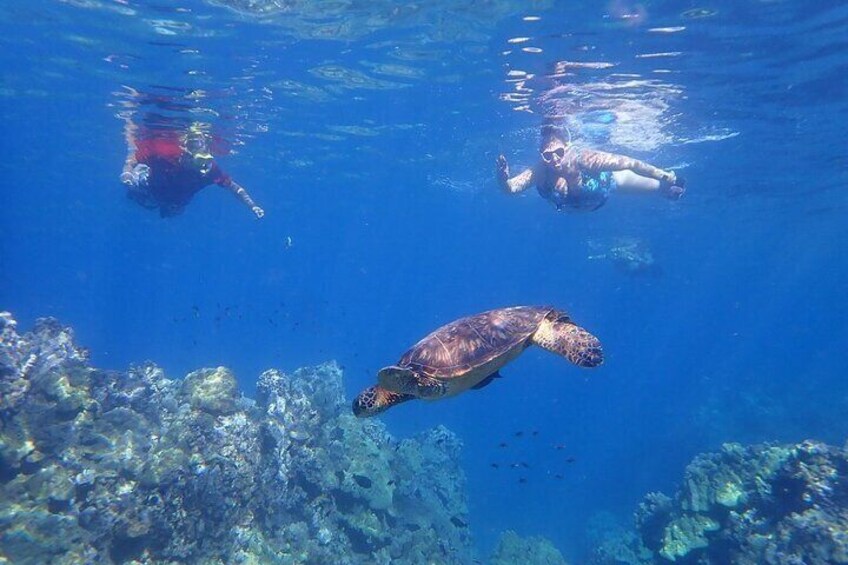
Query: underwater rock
[613, 543]
[764, 504]
[134, 467]
[211, 390]
[513, 549]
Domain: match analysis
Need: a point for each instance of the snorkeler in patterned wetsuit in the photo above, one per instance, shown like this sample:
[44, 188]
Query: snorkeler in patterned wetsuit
[165, 169]
[582, 179]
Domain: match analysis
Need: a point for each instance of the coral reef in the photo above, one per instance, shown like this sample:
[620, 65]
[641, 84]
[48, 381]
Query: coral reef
[764, 504]
[613, 543]
[513, 549]
[111, 467]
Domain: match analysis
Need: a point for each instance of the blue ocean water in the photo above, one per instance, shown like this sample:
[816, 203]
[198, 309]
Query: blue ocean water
[369, 132]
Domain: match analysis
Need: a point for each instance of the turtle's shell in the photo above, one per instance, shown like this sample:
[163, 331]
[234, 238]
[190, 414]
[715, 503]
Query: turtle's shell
[453, 350]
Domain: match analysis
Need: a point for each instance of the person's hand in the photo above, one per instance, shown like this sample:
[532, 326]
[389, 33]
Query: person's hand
[503, 168]
[675, 188]
[137, 177]
[258, 211]
[141, 173]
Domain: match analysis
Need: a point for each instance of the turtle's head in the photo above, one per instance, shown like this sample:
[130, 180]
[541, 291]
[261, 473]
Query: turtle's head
[376, 399]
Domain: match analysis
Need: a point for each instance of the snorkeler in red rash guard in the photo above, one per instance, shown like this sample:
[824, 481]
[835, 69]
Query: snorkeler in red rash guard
[166, 169]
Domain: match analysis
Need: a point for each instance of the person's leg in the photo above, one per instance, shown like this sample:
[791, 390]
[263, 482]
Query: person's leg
[628, 181]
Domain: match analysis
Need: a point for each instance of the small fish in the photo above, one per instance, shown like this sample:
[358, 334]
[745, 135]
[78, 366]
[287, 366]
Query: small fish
[559, 446]
[519, 434]
[196, 311]
[456, 521]
[558, 477]
[535, 433]
[525, 465]
[570, 460]
[502, 444]
[514, 465]
[390, 482]
[362, 481]
[494, 466]
[522, 480]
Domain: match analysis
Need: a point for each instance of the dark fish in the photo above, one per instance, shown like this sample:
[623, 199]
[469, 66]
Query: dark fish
[362, 481]
[558, 477]
[390, 482]
[458, 522]
[502, 444]
[535, 433]
[570, 460]
[522, 480]
[525, 465]
[559, 446]
[494, 466]
[519, 434]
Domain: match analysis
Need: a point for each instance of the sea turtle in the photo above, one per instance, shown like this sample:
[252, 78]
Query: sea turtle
[467, 354]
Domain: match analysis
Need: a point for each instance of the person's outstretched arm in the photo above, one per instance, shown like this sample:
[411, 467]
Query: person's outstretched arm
[134, 174]
[599, 161]
[130, 130]
[520, 182]
[242, 194]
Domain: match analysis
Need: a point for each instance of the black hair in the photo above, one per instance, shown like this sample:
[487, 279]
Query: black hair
[552, 131]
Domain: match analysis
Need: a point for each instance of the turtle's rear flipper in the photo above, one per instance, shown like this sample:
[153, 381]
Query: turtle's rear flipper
[407, 381]
[376, 399]
[571, 341]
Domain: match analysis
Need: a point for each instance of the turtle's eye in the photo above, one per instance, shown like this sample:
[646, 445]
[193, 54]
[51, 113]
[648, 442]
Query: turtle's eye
[562, 318]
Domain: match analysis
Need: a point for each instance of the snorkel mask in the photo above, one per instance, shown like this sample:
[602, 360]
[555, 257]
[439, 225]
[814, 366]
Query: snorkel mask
[556, 142]
[196, 145]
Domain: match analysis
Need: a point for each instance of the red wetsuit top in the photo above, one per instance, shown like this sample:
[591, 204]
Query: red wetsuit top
[171, 181]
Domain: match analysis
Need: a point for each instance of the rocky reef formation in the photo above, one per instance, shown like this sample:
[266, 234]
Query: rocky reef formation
[513, 550]
[765, 504]
[112, 467]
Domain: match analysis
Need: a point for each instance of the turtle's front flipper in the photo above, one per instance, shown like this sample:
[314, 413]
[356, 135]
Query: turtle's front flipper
[376, 399]
[569, 340]
[407, 381]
